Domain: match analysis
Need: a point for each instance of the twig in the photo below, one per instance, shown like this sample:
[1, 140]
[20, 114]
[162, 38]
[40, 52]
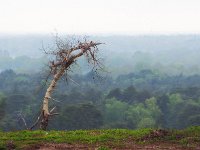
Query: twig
[36, 122]
[52, 109]
[73, 81]
[55, 100]
[53, 114]
[23, 119]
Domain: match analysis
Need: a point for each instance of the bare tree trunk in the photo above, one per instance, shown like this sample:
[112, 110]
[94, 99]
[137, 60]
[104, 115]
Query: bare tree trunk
[64, 59]
[45, 108]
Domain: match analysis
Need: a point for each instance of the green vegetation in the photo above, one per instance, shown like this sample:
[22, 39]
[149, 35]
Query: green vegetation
[24, 138]
[105, 139]
[145, 99]
[155, 83]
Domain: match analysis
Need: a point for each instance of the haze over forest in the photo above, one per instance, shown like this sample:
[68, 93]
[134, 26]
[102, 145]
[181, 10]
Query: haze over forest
[171, 54]
[147, 78]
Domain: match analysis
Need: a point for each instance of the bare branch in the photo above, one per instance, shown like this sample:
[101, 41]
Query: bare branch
[65, 55]
[23, 119]
[36, 122]
[53, 114]
[73, 81]
[52, 109]
[55, 100]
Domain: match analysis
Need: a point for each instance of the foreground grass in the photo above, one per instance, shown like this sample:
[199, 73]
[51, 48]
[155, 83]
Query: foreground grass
[113, 137]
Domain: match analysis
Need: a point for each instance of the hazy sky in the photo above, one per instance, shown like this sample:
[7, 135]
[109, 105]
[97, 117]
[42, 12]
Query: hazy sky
[100, 16]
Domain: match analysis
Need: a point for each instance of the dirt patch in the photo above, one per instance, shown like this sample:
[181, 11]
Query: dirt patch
[160, 133]
[63, 147]
[128, 146]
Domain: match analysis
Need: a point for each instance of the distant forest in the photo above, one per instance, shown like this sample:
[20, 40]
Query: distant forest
[150, 81]
[174, 54]
[135, 100]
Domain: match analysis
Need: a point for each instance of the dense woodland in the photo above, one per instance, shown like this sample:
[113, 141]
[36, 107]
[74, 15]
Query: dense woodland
[135, 100]
[148, 82]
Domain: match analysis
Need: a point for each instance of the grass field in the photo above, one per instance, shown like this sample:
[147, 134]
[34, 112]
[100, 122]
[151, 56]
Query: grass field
[102, 139]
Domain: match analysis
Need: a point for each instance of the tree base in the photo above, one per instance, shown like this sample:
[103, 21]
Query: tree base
[44, 122]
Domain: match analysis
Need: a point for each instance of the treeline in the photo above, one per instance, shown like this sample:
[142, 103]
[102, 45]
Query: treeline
[170, 54]
[135, 100]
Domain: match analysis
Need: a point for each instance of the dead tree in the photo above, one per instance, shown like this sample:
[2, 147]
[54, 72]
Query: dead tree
[65, 55]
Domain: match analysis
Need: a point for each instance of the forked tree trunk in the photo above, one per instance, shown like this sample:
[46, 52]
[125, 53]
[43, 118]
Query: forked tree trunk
[45, 108]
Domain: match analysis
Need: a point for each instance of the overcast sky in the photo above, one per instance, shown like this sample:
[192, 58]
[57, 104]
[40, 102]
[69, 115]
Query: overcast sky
[100, 16]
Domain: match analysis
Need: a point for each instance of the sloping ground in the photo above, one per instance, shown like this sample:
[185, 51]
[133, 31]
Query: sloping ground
[102, 139]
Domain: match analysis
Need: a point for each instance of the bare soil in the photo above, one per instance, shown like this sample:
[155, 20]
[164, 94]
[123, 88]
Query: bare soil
[127, 146]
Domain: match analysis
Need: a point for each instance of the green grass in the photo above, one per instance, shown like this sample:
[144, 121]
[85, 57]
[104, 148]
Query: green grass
[20, 139]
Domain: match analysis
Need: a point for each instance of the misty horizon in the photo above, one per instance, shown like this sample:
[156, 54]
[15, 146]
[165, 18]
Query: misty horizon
[100, 17]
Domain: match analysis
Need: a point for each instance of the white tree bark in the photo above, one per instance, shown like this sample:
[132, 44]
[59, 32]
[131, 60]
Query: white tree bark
[61, 67]
[47, 97]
